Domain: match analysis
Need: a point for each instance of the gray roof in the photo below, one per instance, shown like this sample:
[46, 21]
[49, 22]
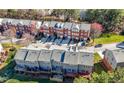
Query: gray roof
[15, 22]
[86, 58]
[1, 19]
[21, 54]
[71, 58]
[45, 55]
[68, 25]
[38, 24]
[46, 23]
[85, 27]
[5, 20]
[57, 55]
[75, 27]
[24, 22]
[52, 23]
[119, 55]
[32, 55]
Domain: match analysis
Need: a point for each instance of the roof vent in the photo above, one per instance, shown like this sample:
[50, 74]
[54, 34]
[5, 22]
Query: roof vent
[77, 27]
[46, 25]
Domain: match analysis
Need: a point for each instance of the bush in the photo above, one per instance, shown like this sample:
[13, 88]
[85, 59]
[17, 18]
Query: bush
[3, 79]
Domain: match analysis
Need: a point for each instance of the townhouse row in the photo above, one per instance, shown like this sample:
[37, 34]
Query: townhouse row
[61, 29]
[20, 24]
[59, 62]
[113, 59]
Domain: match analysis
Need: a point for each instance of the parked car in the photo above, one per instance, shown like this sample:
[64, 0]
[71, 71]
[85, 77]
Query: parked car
[98, 45]
[103, 52]
[120, 45]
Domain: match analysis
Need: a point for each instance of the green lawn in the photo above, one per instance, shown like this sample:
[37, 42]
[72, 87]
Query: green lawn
[96, 57]
[109, 38]
[97, 66]
[26, 79]
[9, 45]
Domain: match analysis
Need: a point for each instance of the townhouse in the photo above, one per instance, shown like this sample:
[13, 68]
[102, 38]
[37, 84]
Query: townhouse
[75, 31]
[67, 29]
[56, 64]
[52, 28]
[59, 29]
[85, 31]
[85, 63]
[5, 23]
[78, 63]
[70, 64]
[57, 59]
[20, 25]
[31, 61]
[44, 61]
[113, 59]
[20, 59]
[48, 28]
[45, 28]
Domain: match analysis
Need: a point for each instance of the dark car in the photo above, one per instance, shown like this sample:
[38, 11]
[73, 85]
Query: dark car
[103, 52]
[98, 45]
[120, 45]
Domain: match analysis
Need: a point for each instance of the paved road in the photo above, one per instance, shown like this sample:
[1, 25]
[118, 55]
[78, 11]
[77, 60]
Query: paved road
[101, 49]
[8, 40]
[105, 46]
[86, 49]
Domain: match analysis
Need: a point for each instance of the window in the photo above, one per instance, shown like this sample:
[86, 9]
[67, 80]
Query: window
[69, 70]
[112, 59]
[74, 71]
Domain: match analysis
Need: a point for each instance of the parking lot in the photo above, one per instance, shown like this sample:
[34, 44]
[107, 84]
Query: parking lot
[61, 41]
[51, 42]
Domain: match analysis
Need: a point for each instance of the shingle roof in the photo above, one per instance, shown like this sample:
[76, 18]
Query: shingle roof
[45, 55]
[15, 22]
[68, 25]
[75, 27]
[5, 20]
[85, 27]
[38, 24]
[71, 58]
[1, 19]
[25, 22]
[45, 24]
[32, 55]
[86, 58]
[21, 54]
[52, 23]
[118, 54]
[58, 55]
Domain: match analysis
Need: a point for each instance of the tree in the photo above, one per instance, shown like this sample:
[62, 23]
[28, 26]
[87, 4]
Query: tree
[96, 30]
[118, 75]
[67, 13]
[3, 12]
[111, 19]
[81, 80]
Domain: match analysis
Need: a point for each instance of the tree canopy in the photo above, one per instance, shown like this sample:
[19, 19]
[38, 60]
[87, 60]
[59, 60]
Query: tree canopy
[67, 13]
[116, 76]
[111, 19]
